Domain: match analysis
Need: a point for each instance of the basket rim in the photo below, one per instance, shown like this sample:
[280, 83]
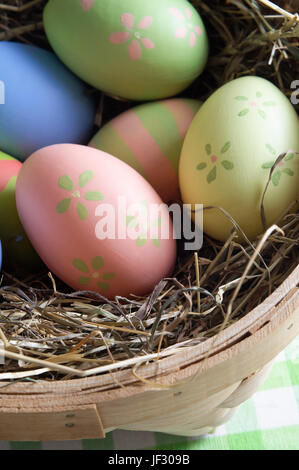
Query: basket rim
[184, 358]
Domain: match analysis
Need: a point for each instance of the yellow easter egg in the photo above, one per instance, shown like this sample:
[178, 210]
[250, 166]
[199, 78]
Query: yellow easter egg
[229, 154]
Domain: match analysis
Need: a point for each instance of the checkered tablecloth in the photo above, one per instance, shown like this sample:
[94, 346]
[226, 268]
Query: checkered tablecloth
[270, 420]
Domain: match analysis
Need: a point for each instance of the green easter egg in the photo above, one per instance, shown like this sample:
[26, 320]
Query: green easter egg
[134, 49]
[229, 151]
[17, 250]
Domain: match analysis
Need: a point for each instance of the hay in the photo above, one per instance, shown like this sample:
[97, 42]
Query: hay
[52, 332]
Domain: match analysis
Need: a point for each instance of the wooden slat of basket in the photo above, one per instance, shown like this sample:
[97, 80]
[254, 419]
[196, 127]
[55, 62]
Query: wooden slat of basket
[247, 388]
[189, 421]
[51, 424]
[153, 409]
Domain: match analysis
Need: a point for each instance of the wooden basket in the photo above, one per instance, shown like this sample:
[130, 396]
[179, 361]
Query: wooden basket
[189, 393]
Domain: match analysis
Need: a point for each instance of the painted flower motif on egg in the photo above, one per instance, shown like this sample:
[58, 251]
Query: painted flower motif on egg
[257, 103]
[135, 35]
[281, 169]
[65, 182]
[187, 29]
[93, 274]
[226, 164]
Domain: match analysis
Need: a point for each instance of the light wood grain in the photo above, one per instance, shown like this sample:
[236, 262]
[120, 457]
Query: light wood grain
[48, 424]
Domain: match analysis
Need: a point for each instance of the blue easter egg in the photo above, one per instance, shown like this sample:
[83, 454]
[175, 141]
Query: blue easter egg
[41, 101]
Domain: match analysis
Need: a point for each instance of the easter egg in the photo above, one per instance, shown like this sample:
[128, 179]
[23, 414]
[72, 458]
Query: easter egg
[18, 250]
[43, 102]
[230, 148]
[149, 138]
[131, 49]
[78, 206]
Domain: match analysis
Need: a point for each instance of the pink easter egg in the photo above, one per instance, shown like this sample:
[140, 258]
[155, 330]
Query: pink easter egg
[94, 221]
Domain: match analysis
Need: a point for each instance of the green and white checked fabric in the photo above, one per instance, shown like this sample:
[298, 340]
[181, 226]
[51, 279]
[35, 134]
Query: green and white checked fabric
[268, 421]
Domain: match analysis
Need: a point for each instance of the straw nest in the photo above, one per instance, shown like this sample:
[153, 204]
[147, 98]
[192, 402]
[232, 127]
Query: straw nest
[50, 332]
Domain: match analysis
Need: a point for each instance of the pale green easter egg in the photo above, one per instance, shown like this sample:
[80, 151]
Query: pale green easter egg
[230, 148]
[140, 50]
[17, 250]
[149, 138]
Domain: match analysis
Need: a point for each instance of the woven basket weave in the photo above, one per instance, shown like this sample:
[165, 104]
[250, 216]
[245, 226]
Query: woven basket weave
[200, 387]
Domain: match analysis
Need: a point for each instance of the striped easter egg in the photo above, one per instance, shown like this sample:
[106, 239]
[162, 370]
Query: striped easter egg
[149, 138]
[17, 249]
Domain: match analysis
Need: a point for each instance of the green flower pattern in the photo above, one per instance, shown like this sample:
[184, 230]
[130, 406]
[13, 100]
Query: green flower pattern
[226, 164]
[258, 103]
[135, 222]
[92, 275]
[281, 168]
[66, 183]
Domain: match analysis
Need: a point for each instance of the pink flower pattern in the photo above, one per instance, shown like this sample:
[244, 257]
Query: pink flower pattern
[87, 4]
[133, 34]
[182, 31]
